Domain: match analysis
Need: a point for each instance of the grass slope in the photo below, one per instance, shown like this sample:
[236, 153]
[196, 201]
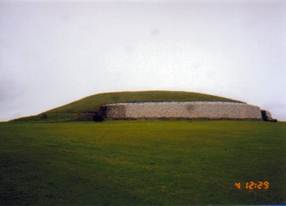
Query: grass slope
[141, 162]
[92, 103]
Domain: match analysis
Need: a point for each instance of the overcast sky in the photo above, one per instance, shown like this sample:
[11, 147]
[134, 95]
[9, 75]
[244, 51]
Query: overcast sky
[53, 53]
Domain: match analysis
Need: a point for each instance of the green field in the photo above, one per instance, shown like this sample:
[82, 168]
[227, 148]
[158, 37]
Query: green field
[141, 162]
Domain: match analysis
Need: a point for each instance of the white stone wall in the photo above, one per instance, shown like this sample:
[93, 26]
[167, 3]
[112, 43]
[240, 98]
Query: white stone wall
[187, 110]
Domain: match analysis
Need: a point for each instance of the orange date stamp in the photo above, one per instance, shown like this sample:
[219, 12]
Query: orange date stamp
[252, 185]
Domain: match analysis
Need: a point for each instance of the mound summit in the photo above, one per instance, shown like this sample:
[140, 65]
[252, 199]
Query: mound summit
[152, 105]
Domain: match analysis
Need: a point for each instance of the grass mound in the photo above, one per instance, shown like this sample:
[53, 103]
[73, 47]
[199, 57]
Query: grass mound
[77, 110]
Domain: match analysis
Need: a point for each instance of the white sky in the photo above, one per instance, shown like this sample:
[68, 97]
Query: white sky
[53, 53]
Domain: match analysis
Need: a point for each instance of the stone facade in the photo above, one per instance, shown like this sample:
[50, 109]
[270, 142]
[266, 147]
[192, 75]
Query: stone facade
[182, 110]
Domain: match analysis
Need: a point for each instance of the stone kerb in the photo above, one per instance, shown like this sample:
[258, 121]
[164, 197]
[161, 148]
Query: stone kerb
[184, 110]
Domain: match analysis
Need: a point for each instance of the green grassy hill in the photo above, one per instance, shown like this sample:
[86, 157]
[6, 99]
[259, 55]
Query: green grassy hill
[150, 162]
[77, 110]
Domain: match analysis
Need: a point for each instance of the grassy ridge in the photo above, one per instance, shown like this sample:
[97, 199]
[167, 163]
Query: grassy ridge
[92, 103]
[141, 162]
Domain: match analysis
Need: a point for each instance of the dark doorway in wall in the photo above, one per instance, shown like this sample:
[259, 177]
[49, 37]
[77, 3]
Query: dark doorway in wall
[97, 117]
[100, 115]
[264, 115]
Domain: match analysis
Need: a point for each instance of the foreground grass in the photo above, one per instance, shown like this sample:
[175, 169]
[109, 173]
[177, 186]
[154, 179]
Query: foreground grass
[141, 162]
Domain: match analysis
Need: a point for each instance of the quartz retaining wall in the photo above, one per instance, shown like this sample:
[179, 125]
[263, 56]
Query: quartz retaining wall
[182, 110]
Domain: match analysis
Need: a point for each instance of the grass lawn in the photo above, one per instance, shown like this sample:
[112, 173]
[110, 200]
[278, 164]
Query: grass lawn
[141, 162]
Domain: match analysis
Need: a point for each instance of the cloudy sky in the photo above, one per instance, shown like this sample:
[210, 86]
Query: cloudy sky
[54, 52]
